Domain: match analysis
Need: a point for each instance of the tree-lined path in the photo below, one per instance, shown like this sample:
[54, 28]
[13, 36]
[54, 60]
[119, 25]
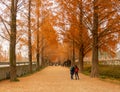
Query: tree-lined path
[56, 79]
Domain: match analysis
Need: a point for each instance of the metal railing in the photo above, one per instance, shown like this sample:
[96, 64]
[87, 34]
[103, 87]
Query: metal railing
[106, 62]
[7, 64]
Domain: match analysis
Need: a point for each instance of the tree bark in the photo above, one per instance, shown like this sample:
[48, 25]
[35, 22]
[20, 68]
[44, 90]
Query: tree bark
[12, 54]
[73, 61]
[38, 51]
[94, 69]
[42, 52]
[81, 49]
[81, 57]
[38, 38]
[29, 37]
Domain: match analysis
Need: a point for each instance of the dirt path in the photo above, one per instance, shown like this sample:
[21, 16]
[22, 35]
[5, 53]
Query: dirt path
[56, 79]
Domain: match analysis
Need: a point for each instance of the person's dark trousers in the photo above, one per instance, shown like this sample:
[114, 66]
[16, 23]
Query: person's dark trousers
[72, 75]
[76, 76]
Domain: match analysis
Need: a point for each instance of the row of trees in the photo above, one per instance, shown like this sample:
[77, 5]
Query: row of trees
[94, 26]
[53, 30]
[24, 24]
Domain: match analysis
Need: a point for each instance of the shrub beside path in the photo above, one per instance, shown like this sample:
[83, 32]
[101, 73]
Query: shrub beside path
[57, 79]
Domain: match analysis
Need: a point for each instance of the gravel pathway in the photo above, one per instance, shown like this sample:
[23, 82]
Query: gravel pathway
[57, 79]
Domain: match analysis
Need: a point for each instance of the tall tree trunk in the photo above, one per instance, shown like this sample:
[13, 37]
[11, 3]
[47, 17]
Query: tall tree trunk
[38, 26]
[29, 38]
[81, 57]
[42, 52]
[73, 55]
[38, 50]
[12, 54]
[81, 49]
[94, 69]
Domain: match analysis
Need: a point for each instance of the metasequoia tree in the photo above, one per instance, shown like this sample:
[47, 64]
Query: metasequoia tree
[94, 70]
[82, 32]
[12, 30]
[13, 38]
[29, 37]
[13, 33]
[77, 32]
[41, 17]
[102, 22]
[49, 37]
[47, 23]
[38, 29]
[108, 32]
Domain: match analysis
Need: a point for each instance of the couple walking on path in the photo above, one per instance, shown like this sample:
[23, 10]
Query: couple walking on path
[74, 70]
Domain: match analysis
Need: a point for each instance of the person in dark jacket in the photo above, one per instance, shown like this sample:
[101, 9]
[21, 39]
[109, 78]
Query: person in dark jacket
[72, 69]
